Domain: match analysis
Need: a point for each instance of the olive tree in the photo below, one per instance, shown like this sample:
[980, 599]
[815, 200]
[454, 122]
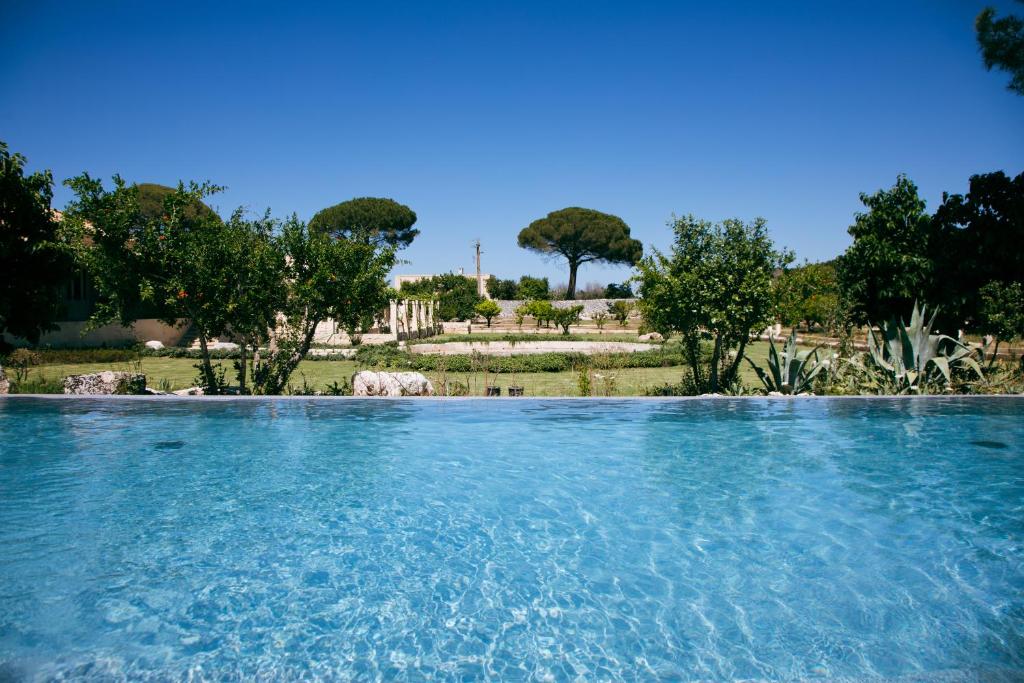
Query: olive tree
[581, 236]
[714, 286]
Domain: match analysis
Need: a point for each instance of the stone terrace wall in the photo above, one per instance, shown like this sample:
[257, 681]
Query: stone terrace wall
[590, 306]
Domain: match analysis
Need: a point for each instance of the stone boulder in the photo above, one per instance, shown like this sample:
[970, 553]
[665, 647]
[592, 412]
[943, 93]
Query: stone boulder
[368, 383]
[154, 344]
[5, 384]
[191, 391]
[651, 337]
[107, 382]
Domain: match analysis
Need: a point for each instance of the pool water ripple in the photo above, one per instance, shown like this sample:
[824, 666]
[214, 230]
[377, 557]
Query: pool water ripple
[512, 540]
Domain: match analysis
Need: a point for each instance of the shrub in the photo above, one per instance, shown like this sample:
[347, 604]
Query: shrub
[456, 294]
[620, 310]
[533, 288]
[616, 291]
[565, 317]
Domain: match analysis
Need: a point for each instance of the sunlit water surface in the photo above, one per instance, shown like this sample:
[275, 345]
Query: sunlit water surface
[535, 539]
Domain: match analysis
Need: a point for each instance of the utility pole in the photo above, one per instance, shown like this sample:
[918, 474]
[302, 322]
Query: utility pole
[479, 279]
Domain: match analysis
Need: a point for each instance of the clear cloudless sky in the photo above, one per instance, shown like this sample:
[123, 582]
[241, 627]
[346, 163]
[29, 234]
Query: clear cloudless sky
[484, 116]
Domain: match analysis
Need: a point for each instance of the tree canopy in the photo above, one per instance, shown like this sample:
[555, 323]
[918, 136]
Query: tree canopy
[1002, 45]
[580, 236]
[977, 240]
[32, 261]
[715, 285]
[174, 261]
[888, 266]
[151, 198]
[808, 294]
[373, 220]
[456, 294]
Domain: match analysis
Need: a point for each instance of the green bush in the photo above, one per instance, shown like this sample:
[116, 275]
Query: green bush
[456, 294]
[395, 358]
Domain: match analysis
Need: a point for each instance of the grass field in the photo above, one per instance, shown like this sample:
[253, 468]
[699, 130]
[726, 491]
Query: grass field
[181, 373]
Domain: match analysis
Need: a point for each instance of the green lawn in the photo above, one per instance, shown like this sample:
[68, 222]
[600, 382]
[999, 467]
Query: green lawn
[181, 373]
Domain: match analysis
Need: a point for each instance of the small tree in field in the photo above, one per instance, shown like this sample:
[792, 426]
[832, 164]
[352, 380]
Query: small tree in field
[620, 310]
[1002, 312]
[715, 285]
[581, 236]
[487, 309]
[566, 317]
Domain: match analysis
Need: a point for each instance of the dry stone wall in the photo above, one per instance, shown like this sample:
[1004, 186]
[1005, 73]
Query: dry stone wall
[590, 306]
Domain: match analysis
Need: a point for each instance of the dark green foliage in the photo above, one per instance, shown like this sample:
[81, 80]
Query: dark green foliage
[503, 290]
[527, 288]
[716, 286]
[533, 288]
[1002, 312]
[581, 236]
[374, 220]
[88, 355]
[888, 265]
[456, 294]
[33, 263]
[1002, 45]
[151, 198]
[616, 291]
[977, 239]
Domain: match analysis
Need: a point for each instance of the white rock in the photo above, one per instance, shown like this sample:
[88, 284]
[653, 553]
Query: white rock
[369, 383]
[154, 344]
[223, 346]
[106, 382]
[191, 391]
[651, 336]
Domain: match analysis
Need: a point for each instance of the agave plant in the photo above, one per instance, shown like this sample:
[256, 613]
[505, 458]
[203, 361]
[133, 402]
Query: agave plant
[911, 358]
[791, 373]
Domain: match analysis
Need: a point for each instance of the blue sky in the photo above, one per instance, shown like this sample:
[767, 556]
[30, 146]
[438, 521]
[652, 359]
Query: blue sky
[484, 116]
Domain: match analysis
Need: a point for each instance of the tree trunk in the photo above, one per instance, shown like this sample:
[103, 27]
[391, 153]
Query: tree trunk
[693, 357]
[211, 380]
[243, 347]
[730, 376]
[995, 354]
[716, 357]
[570, 291]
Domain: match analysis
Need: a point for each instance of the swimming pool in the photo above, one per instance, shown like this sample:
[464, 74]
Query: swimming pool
[535, 539]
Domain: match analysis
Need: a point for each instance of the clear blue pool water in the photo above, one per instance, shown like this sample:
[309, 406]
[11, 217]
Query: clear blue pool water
[538, 540]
